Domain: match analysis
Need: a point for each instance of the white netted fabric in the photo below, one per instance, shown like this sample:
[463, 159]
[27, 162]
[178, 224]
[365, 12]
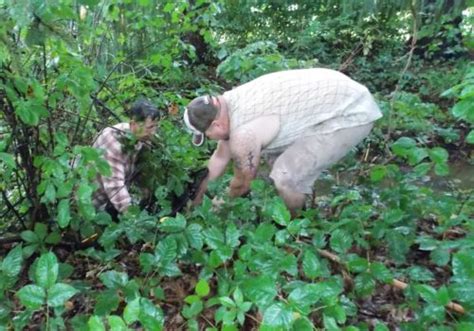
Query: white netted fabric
[308, 101]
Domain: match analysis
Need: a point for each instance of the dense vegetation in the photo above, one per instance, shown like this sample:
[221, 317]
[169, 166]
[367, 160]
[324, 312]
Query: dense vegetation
[387, 243]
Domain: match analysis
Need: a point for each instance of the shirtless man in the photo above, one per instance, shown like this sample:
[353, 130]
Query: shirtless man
[306, 120]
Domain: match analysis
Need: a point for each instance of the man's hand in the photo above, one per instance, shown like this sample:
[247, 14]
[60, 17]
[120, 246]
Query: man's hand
[217, 203]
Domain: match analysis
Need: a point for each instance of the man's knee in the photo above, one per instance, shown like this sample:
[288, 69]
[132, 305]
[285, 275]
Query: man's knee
[293, 200]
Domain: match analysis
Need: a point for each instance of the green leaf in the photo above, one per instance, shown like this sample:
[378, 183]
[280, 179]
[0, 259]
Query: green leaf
[277, 315]
[311, 265]
[380, 272]
[166, 251]
[11, 265]
[264, 233]
[442, 296]
[465, 326]
[227, 302]
[47, 270]
[378, 173]
[147, 261]
[260, 290]
[470, 137]
[340, 241]
[398, 246]
[304, 296]
[232, 235]
[438, 155]
[238, 296]
[462, 292]
[84, 193]
[106, 302]
[8, 159]
[32, 296]
[416, 155]
[132, 311]
[173, 224]
[381, 327]
[64, 215]
[280, 213]
[58, 294]
[113, 279]
[194, 236]
[202, 288]
[422, 169]
[150, 316]
[41, 230]
[90, 3]
[427, 292]
[192, 310]
[330, 323]
[328, 290]
[440, 256]
[463, 108]
[193, 325]
[190, 299]
[357, 263]
[403, 145]
[336, 311]
[463, 265]
[29, 236]
[220, 255]
[49, 193]
[95, 324]
[441, 169]
[302, 324]
[214, 238]
[144, 3]
[27, 113]
[53, 238]
[116, 323]
[364, 284]
[393, 216]
[420, 274]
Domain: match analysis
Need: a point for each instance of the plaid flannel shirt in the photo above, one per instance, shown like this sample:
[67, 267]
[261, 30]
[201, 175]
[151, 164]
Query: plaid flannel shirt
[114, 188]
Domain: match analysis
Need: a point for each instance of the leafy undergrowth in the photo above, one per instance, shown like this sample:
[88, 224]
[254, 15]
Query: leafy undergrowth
[248, 266]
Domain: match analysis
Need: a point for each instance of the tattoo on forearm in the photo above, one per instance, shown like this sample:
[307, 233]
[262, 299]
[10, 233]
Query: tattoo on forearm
[250, 163]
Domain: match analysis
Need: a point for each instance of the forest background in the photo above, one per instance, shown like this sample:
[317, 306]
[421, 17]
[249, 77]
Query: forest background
[387, 244]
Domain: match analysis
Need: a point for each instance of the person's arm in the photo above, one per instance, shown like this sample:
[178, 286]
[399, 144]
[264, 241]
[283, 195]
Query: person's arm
[246, 148]
[216, 166]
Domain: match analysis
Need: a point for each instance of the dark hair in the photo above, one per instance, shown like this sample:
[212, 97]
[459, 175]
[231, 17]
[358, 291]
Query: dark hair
[202, 112]
[143, 109]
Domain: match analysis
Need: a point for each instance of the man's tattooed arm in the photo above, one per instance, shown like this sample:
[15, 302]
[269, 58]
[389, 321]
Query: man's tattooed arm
[246, 156]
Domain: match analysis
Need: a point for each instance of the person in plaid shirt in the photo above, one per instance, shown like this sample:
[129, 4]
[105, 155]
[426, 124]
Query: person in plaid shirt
[112, 194]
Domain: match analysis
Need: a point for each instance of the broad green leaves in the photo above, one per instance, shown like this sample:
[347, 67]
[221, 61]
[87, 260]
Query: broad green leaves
[59, 293]
[260, 290]
[463, 266]
[11, 264]
[46, 290]
[144, 311]
[32, 296]
[202, 288]
[408, 148]
[47, 270]
[277, 316]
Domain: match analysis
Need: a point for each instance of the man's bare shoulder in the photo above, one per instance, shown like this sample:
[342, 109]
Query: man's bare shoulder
[258, 132]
